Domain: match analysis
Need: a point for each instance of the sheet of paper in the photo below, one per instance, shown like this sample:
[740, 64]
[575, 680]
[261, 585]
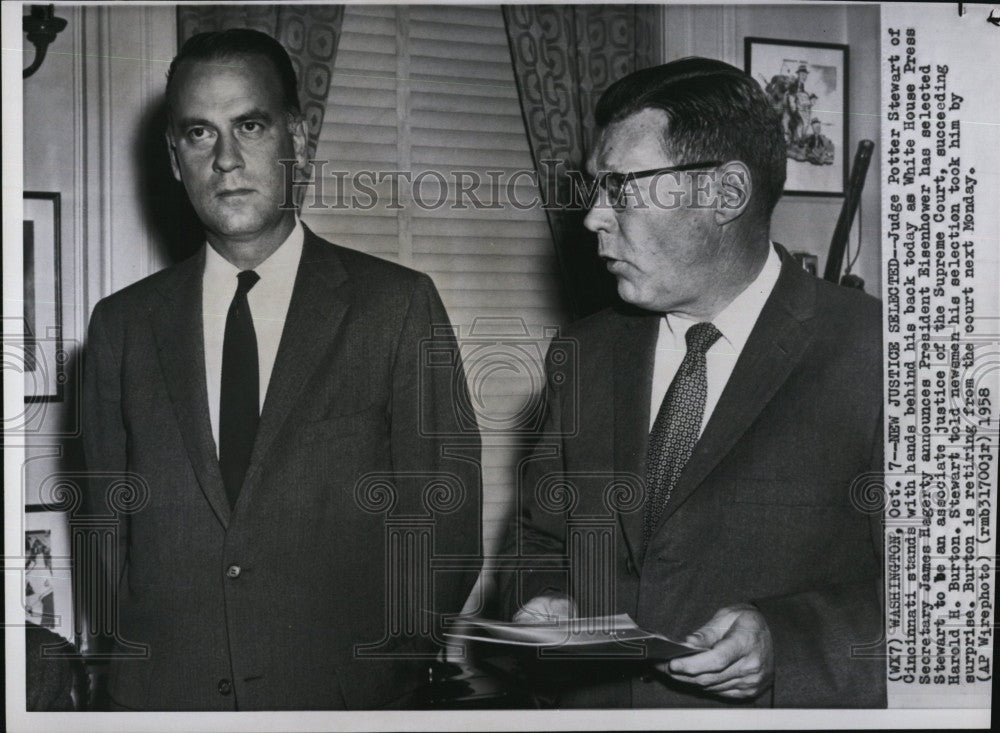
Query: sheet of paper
[610, 637]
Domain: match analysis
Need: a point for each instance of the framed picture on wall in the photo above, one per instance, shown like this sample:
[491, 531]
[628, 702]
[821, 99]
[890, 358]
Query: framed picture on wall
[44, 360]
[48, 581]
[808, 84]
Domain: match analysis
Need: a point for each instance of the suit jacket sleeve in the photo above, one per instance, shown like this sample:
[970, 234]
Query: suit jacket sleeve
[432, 435]
[829, 643]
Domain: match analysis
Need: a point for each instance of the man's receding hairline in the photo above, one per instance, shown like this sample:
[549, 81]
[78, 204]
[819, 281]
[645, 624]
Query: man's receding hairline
[224, 60]
[661, 132]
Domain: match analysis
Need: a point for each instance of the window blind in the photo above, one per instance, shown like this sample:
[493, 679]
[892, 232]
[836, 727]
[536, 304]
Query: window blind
[430, 90]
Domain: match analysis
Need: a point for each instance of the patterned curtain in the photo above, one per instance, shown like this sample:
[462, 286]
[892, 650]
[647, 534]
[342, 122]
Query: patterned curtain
[310, 34]
[564, 57]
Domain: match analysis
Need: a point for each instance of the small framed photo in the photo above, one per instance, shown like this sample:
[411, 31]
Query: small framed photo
[48, 580]
[44, 360]
[808, 84]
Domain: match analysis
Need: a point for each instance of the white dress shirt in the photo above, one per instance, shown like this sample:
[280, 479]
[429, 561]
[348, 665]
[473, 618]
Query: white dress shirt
[735, 322]
[268, 300]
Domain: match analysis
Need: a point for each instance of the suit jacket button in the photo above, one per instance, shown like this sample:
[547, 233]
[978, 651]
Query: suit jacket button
[225, 687]
[233, 571]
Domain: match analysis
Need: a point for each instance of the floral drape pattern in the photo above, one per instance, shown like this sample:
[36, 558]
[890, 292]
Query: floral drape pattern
[310, 34]
[564, 57]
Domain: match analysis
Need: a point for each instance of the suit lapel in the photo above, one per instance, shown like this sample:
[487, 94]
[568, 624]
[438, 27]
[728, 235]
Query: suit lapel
[179, 333]
[633, 384]
[774, 347]
[320, 298]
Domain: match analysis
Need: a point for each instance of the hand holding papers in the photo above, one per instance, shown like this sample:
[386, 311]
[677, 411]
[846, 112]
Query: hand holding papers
[739, 662]
[547, 606]
[611, 637]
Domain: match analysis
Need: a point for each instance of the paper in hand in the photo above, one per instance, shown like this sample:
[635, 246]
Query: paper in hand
[611, 637]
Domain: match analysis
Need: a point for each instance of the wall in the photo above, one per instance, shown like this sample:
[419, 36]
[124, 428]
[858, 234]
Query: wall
[91, 115]
[717, 31]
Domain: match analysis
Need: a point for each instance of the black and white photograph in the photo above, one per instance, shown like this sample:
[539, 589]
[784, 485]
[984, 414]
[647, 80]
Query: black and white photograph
[39, 601]
[44, 366]
[807, 82]
[48, 587]
[465, 366]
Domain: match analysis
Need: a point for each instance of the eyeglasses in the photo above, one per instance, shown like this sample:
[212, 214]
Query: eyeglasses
[614, 183]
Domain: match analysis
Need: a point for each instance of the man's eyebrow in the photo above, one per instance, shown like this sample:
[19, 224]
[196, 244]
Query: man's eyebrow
[186, 122]
[254, 114]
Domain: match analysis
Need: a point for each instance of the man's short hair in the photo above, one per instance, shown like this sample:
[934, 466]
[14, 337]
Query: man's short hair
[222, 46]
[715, 111]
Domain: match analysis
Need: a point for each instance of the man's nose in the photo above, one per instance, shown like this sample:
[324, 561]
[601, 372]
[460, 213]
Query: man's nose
[227, 154]
[601, 216]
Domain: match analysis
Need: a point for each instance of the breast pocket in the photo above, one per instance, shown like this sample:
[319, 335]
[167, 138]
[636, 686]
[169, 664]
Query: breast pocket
[790, 492]
[344, 426]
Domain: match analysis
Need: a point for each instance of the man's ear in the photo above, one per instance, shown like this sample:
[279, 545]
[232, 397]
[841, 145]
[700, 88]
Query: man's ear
[172, 152]
[733, 190]
[297, 128]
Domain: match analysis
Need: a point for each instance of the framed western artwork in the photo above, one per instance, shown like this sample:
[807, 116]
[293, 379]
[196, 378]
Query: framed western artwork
[808, 84]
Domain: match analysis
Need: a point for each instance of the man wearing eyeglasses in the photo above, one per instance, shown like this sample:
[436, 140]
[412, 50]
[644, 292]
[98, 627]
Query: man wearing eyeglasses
[743, 397]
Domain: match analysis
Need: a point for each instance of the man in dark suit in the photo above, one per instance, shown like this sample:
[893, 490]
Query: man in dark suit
[265, 402]
[722, 419]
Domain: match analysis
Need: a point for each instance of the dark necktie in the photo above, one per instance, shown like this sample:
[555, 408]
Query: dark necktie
[239, 404]
[677, 425]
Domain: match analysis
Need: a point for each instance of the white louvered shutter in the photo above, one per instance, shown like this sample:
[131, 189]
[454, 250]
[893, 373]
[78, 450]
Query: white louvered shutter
[430, 88]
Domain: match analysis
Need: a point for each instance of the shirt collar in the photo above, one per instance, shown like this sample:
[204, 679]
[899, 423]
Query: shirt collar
[282, 263]
[736, 320]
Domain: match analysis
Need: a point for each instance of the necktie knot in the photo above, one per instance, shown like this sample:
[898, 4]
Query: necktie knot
[701, 336]
[246, 280]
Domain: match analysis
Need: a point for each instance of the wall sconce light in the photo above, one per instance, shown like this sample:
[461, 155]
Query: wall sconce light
[42, 27]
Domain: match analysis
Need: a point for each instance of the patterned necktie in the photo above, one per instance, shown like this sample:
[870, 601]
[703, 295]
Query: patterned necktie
[239, 404]
[677, 426]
